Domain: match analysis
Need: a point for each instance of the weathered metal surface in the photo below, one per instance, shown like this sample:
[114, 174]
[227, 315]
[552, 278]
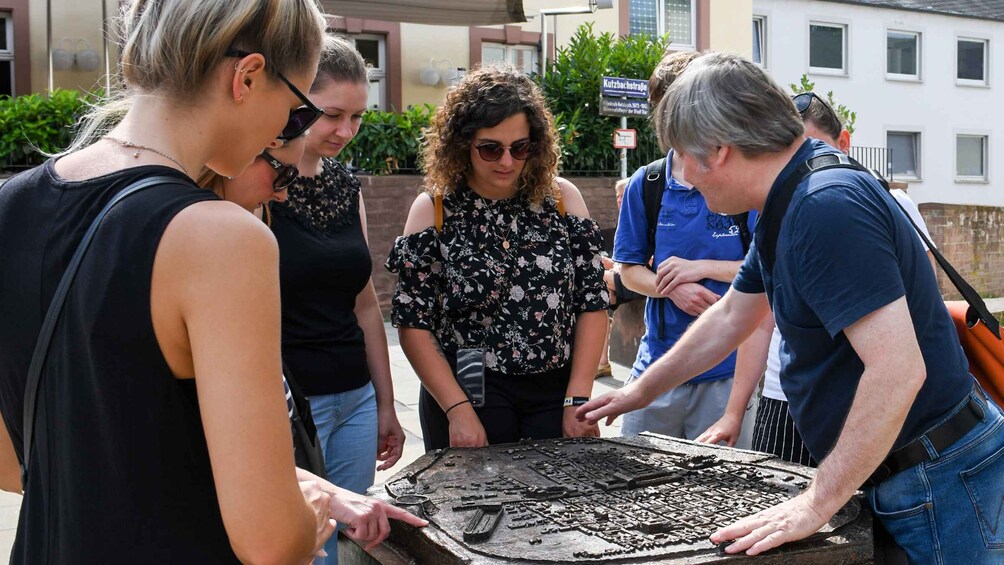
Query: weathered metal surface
[644, 499]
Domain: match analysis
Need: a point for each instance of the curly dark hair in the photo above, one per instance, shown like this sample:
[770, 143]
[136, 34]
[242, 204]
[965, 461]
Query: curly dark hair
[483, 99]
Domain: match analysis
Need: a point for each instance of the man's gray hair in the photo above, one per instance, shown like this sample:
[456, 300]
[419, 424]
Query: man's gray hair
[725, 99]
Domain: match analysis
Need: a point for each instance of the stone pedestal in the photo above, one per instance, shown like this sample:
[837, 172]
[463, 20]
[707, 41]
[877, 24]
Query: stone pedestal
[644, 499]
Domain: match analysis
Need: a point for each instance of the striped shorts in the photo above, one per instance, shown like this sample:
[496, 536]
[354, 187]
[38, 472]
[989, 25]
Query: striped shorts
[775, 433]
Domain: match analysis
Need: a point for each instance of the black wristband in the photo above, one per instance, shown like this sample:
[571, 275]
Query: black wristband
[464, 401]
[575, 401]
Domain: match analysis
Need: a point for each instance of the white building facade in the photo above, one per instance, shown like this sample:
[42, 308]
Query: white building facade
[928, 86]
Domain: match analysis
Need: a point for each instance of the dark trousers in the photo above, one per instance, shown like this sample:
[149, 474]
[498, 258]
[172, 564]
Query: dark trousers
[516, 407]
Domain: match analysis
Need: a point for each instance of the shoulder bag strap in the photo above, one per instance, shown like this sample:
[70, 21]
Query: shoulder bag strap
[558, 202]
[742, 221]
[777, 202]
[437, 203]
[977, 307]
[56, 306]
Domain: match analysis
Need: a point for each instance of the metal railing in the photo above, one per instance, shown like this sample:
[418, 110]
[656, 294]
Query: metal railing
[878, 158]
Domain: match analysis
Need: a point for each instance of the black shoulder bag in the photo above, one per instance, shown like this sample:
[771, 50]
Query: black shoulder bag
[307, 451]
[55, 308]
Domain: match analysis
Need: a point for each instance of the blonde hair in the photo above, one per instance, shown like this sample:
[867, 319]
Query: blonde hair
[171, 47]
[483, 99]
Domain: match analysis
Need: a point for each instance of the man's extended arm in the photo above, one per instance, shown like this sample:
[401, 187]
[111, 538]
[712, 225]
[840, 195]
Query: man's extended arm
[892, 361]
[705, 344]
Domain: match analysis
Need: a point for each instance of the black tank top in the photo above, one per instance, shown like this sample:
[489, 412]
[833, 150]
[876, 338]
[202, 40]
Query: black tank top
[120, 470]
[324, 264]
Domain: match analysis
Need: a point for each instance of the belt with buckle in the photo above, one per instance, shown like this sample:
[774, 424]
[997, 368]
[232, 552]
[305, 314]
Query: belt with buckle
[941, 437]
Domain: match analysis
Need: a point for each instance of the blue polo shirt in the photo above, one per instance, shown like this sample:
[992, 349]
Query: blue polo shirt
[845, 250]
[686, 229]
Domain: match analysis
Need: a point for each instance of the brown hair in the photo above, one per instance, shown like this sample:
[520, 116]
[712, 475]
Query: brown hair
[483, 99]
[340, 62]
[823, 116]
[670, 67]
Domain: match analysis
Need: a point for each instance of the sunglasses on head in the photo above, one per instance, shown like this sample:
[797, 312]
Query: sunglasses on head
[804, 100]
[493, 150]
[285, 174]
[300, 119]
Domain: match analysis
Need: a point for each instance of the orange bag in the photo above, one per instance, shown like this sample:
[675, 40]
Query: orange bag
[979, 331]
[984, 348]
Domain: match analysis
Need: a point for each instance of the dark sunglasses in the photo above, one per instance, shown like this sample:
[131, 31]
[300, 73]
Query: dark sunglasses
[300, 119]
[285, 174]
[804, 100]
[493, 150]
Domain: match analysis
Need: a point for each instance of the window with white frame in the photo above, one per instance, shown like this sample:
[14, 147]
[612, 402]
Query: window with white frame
[373, 48]
[904, 152]
[902, 55]
[971, 55]
[6, 54]
[760, 40]
[523, 57]
[659, 17]
[827, 48]
[971, 157]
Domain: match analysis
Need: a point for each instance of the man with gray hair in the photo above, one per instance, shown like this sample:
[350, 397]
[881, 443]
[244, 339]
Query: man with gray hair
[874, 374]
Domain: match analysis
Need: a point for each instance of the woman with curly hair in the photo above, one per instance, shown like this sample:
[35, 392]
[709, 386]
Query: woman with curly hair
[499, 264]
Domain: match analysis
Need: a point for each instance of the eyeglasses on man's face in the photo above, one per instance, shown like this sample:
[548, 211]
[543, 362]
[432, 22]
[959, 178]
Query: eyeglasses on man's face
[285, 174]
[300, 119]
[493, 151]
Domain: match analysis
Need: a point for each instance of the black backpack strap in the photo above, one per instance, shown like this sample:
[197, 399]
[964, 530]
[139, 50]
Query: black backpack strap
[742, 221]
[651, 193]
[652, 187]
[55, 308]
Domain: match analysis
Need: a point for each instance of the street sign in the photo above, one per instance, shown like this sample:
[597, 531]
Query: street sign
[625, 139]
[620, 86]
[627, 108]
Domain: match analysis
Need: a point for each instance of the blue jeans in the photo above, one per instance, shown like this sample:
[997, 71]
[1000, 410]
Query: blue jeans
[347, 429]
[951, 508]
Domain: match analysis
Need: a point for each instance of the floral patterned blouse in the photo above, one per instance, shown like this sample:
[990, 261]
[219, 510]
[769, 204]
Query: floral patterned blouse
[520, 303]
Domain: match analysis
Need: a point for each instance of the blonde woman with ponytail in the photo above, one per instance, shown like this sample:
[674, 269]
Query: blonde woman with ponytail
[160, 433]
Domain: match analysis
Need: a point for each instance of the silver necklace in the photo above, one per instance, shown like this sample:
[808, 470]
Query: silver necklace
[140, 148]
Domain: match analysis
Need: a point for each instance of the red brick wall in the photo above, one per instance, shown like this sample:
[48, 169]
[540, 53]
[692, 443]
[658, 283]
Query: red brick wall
[389, 198]
[972, 239]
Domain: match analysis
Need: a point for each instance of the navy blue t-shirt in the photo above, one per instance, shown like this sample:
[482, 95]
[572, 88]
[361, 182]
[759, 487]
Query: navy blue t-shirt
[845, 250]
[686, 229]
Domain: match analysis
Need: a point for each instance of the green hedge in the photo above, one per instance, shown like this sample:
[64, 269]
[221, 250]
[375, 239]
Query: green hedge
[33, 124]
[388, 142]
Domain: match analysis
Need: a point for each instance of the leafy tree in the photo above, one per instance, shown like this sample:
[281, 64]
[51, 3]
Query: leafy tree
[572, 89]
[847, 117]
